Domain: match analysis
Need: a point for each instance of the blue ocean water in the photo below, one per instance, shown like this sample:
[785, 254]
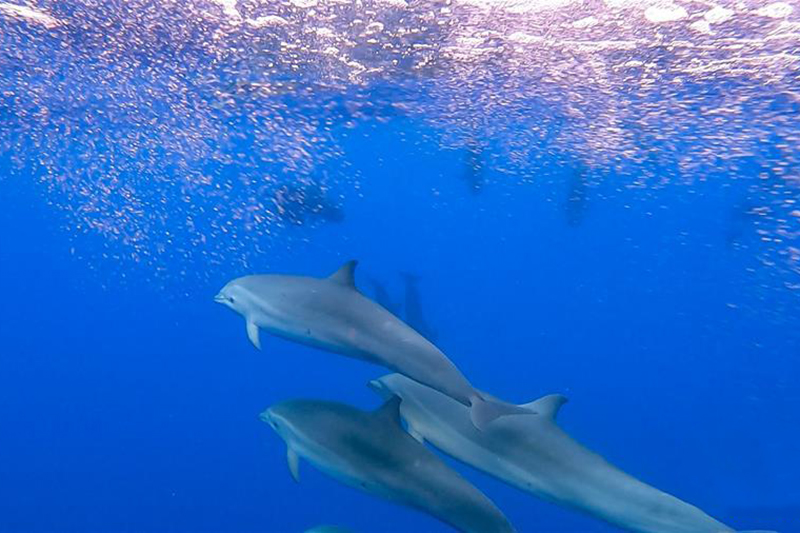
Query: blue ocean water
[650, 276]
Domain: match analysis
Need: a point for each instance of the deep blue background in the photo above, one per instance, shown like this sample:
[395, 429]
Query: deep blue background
[128, 405]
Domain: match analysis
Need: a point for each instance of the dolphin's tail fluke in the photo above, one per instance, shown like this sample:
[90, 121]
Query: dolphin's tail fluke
[482, 411]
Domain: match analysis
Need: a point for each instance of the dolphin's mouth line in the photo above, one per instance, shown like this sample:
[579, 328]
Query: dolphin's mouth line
[220, 299]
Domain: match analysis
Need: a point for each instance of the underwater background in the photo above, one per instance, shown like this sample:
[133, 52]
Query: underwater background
[599, 199]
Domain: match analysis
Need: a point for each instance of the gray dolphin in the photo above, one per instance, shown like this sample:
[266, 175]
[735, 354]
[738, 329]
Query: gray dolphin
[371, 452]
[535, 455]
[330, 313]
[414, 314]
[383, 298]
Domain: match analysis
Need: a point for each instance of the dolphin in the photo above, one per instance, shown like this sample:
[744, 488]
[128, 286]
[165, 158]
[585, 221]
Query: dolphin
[414, 315]
[383, 298]
[299, 203]
[371, 452]
[331, 314]
[535, 455]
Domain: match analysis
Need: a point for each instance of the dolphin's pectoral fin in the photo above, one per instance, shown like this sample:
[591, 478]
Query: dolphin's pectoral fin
[389, 411]
[345, 275]
[252, 334]
[416, 434]
[547, 405]
[294, 463]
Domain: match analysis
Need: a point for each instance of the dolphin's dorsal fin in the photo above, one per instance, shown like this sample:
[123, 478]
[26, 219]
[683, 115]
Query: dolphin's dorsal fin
[346, 274]
[389, 411]
[547, 406]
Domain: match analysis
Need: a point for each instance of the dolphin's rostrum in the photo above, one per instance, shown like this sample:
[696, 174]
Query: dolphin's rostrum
[331, 314]
[372, 452]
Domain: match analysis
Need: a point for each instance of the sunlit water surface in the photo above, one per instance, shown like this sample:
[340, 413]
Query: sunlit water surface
[221, 103]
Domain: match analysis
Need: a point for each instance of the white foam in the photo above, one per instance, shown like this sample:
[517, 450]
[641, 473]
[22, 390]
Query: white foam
[268, 20]
[394, 3]
[718, 14]
[586, 22]
[229, 9]
[30, 14]
[701, 26]
[521, 6]
[665, 13]
[778, 10]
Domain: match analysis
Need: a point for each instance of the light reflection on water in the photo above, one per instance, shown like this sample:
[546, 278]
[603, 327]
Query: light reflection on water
[225, 104]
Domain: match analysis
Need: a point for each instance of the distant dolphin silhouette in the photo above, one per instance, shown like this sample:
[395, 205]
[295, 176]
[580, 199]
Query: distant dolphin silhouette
[297, 203]
[743, 220]
[371, 452]
[535, 455]
[331, 314]
[384, 299]
[413, 308]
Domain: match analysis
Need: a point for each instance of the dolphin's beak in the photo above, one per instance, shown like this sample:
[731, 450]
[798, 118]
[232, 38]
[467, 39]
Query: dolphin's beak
[377, 386]
[220, 299]
[267, 418]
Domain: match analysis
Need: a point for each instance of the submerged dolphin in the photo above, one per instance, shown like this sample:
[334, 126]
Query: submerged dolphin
[330, 313]
[372, 452]
[383, 298]
[414, 314]
[535, 455]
